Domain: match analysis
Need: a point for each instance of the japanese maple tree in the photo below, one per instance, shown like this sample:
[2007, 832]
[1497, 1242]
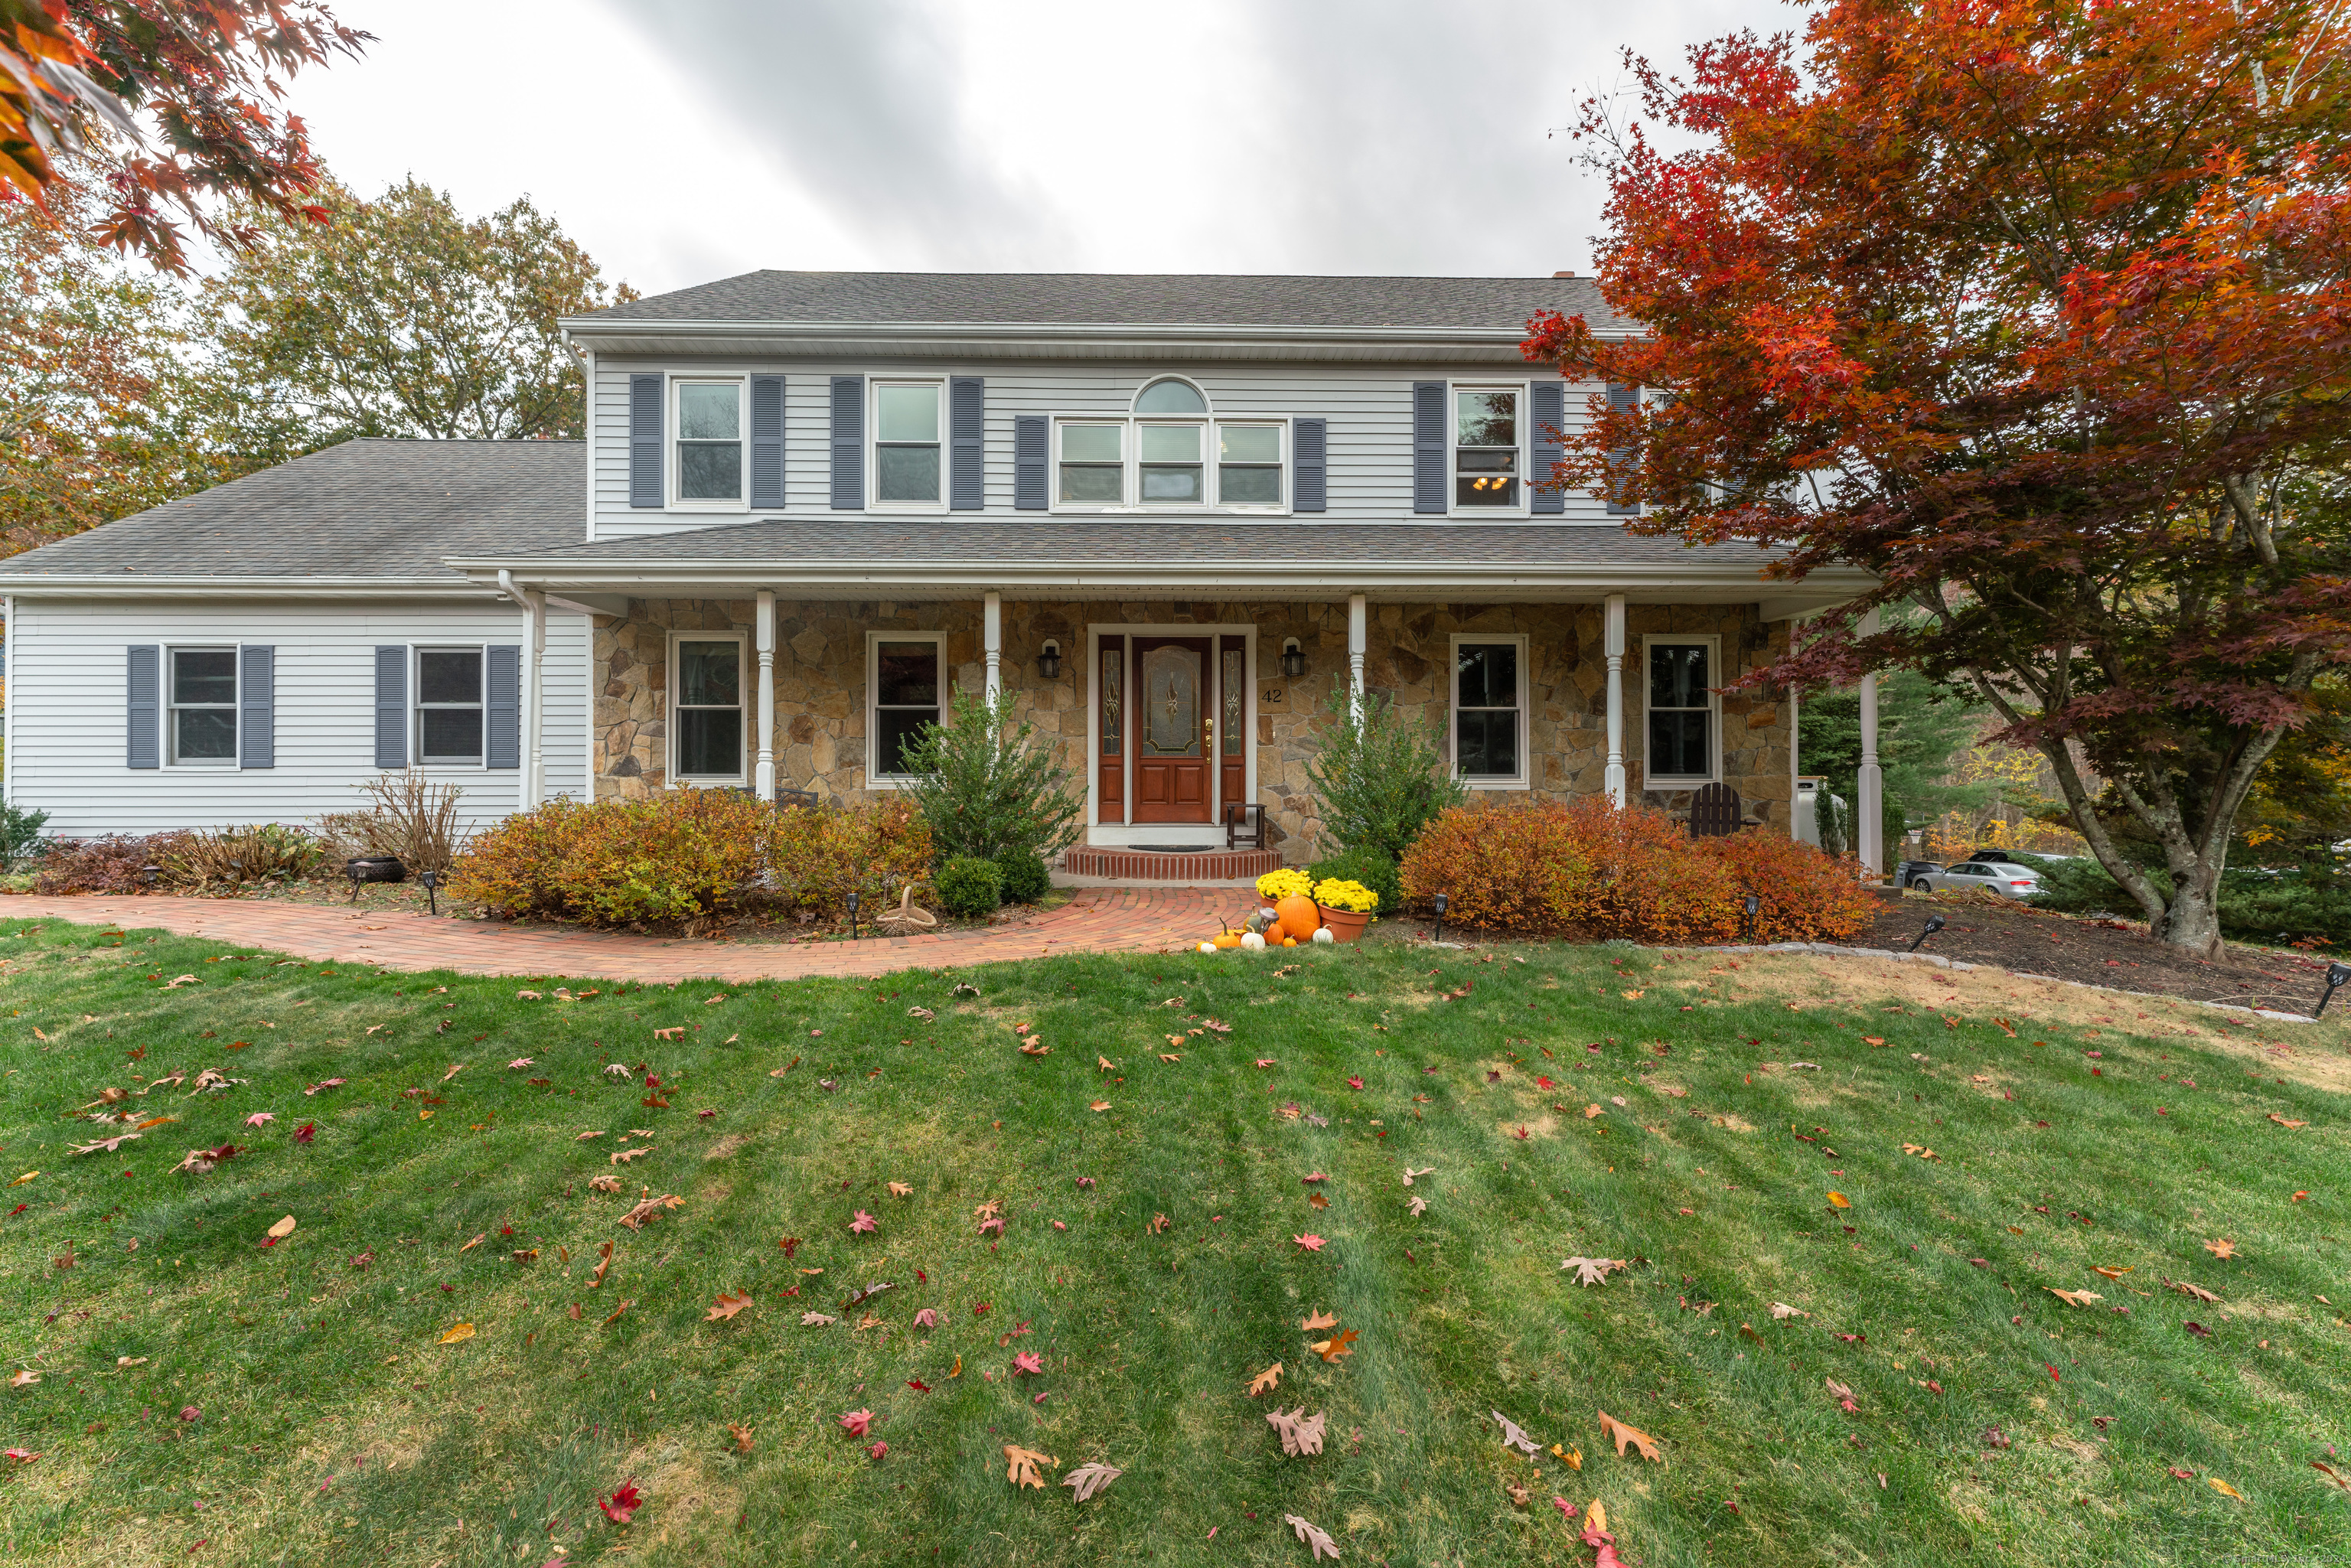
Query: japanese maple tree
[2039, 312]
[177, 100]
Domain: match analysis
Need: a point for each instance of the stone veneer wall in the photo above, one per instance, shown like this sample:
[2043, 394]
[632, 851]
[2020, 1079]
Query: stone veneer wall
[821, 686]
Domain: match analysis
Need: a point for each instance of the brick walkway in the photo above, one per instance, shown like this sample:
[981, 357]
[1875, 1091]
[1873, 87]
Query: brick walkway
[1096, 920]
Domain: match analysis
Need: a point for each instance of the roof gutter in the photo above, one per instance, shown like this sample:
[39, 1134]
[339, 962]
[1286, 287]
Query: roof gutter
[124, 585]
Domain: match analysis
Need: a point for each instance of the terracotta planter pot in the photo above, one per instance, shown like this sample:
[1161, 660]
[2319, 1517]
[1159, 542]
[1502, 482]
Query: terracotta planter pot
[1347, 924]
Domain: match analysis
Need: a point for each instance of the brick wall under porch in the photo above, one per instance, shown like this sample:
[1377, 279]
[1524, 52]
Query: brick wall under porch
[820, 673]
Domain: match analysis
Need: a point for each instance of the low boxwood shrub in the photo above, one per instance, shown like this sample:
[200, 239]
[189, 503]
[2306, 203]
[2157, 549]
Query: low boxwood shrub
[1025, 880]
[1374, 868]
[970, 887]
[1586, 870]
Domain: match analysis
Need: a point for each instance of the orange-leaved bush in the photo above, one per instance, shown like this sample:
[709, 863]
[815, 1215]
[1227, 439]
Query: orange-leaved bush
[816, 858]
[1585, 870]
[1801, 894]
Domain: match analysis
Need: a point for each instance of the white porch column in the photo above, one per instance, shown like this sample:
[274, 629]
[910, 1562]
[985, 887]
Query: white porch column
[764, 778]
[1872, 805]
[1355, 638]
[535, 702]
[1613, 779]
[991, 638]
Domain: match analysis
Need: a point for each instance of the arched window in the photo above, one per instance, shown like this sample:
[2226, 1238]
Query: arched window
[1170, 396]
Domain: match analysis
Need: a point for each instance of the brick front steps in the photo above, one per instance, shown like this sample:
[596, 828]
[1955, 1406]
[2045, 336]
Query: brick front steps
[1149, 865]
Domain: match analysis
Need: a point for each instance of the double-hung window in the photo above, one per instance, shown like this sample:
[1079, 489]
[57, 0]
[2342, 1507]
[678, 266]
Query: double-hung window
[1093, 463]
[1486, 460]
[907, 418]
[906, 676]
[449, 706]
[709, 442]
[1490, 714]
[1249, 466]
[706, 710]
[203, 707]
[1682, 712]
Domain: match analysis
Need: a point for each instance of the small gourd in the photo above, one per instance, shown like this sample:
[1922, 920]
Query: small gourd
[1252, 942]
[1207, 947]
[1322, 935]
[1289, 941]
[1299, 915]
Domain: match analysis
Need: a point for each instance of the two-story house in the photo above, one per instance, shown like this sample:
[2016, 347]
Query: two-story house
[1179, 518]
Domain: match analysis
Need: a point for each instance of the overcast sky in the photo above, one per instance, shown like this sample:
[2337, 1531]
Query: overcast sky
[681, 141]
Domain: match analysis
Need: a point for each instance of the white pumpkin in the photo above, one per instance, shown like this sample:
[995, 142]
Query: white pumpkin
[1322, 935]
[1253, 942]
[1207, 947]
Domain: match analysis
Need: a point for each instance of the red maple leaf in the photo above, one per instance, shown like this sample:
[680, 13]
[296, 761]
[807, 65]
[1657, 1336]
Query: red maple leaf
[1312, 1242]
[1542, 1082]
[1027, 1361]
[625, 1501]
[1356, 1081]
[306, 1132]
[919, 1386]
[790, 1244]
[855, 1422]
[863, 1221]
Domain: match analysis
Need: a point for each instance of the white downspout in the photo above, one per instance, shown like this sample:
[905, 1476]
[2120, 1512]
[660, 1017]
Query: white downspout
[1355, 636]
[1872, 778]
[1613, 777]
[587, 437]
[765, 779]
[991, 633]
[534, 610]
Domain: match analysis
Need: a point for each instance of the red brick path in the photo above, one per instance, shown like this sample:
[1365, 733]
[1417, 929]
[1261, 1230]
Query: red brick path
[1096, 920]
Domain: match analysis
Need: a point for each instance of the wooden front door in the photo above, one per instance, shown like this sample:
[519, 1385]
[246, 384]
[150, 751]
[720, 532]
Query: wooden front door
[1172, 718]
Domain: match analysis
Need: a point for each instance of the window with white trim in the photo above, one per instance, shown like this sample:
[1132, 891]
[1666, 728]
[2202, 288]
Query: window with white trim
[906, 682]
[709, 420]
[203, 693]
[706, 708]
[1169, 452]
[1488, 461]
[449, 706]
[1249, 466]
[1681, 711]
[1489, 711]
[908, 466]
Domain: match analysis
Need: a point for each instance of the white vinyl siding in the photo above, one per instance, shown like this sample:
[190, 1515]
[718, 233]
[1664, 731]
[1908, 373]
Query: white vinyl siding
[1369, 411]
[66, 726]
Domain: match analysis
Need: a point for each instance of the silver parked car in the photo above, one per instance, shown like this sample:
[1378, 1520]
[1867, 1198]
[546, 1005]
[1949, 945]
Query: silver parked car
[2003, 877]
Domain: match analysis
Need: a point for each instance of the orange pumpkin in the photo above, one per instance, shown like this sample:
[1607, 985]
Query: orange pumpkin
[1274, 933]
[1228, 938]
[1299, 915]
[1289, 941]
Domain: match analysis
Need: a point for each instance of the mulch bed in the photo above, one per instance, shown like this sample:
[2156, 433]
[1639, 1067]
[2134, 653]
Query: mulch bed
[1981, 929]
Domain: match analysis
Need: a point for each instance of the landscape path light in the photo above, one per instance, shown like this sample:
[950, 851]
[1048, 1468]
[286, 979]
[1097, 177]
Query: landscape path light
[1934, 924]
[2338, 975]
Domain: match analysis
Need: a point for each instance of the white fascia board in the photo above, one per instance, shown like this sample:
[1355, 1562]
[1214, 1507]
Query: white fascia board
[121, 585]
[1043, 340]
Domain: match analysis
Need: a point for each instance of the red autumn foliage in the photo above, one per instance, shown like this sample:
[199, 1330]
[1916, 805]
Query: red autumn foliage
[2039, 312]
[1585, 869]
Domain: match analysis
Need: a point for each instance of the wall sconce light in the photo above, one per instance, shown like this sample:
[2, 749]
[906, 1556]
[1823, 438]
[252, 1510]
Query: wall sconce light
[1049, 663]
[1293, 658]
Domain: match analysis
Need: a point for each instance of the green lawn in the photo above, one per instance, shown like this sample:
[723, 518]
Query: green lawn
[335, 1427]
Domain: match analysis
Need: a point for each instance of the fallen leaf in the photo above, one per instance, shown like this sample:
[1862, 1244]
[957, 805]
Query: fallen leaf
[742, 1438]
[728, 1307]
[2329, 1472]
[1091, 1478]
[2197, 1292]
[2224, 1248]
[1783, 1310]
[901, 1190]
[1839, 1200]
[477, 1241]
[105, 1145]
[1099, 1105]
[1320, 1319]
[1316, 1200]
[2073, 1297]
[1417, 1204]
[23, 1377]
[1301, 1434]
[1842, 1394]
[460, 1330]
[2282, 1122]
[2109, 1274]
[1028, 1364]
[1020, 1466]
[2223, 1487]
[856, 1421]
[1622, 1434]
[282, 1229]
[622, 1156]
[816, 1321]
[1333, 1349]
[863, 1223]
[636, 1218]
[1310, 1242]
[1409, 1173]
[1264, 1380]
[1591, 1270]
[1317, 1543]
[1514, 1437]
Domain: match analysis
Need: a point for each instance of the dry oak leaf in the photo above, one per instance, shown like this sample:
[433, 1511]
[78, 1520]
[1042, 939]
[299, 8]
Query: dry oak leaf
[1843, 1395]
[605, 1183]
[1264, 1380]
[1409, 1173]
[1318, 1542]
[1020, 1466]
[816, 1321]
[1783, 1310]
[2282, 1122]
[1099, 1105]
[1622, 1434]
[2197, 1292]
[728, 1307]
[2073, 1297]
[1518, 1495]
[1310, 1242]
[1316, 1200]
[622, 1156]
[1417, 1204]
[23, 1377]
[1158, 1223]
[1514, 1437]
[477, 1241]
[1320, 1319]
[901, 1190]
[1033, 1049]
[1104, 1064]
[2224, 1248]
[1091, 1478]
[1333, 1349]
[742, 1438]
[1301, 1434]
[105, 1145]
[2329, 1472]
[1591, 1270]
[1165, 1056]
[636, 1218]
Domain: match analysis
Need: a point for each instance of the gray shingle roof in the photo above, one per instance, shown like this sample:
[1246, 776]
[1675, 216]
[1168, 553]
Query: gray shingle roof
[1126, 299]
[851, 538]
[363, 509]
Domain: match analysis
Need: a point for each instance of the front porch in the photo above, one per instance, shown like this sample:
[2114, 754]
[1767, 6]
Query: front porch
[1177, 712]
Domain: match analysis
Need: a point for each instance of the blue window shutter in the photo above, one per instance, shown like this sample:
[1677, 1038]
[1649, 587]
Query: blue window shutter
[142, 706]
[1309, 445]
[1428, 447]
[256, 717]
[767, 441]
[849, 444]
[967, 407]
[1030, 441]
[502, 706]
[391, 706]
[645, 488]
[1547, 409]
[1622, 399]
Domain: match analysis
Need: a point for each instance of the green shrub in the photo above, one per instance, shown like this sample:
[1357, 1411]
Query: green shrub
[1025, 880]
[1374, 868]
[2285, 910]
[969, 887]
[1381, 780]
[20, 833]
[984, 793]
